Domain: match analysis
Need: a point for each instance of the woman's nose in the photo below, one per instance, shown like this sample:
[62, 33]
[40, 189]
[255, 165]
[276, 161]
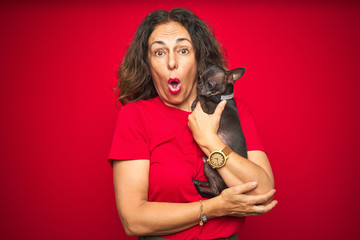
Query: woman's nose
[172, 61]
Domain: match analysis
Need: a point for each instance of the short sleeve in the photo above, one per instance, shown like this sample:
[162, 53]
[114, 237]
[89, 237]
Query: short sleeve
[252, 137]
[130, 138]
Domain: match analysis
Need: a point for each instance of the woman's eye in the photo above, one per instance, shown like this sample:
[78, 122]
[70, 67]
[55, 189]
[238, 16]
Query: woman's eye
[159, 52]
[184, 51]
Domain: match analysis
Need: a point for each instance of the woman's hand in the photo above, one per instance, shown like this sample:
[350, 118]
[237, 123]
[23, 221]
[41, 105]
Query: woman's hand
[204, 127]
[235, 202]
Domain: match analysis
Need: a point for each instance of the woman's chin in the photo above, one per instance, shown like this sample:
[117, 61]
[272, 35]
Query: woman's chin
[182, 103]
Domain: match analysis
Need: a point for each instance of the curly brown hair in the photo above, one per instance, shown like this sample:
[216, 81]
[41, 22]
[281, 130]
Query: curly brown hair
[135, 80]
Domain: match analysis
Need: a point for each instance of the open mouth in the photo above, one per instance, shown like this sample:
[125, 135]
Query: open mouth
[174, 85]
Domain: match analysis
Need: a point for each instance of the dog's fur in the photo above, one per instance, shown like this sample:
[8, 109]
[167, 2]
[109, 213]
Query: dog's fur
[215, 82]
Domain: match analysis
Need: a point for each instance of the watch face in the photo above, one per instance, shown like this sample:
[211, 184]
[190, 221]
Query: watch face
[217, 159]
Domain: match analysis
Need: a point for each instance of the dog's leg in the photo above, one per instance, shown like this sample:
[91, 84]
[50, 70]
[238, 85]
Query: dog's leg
[198, 183]
[193, 105]
[212, 188]
[206, 192]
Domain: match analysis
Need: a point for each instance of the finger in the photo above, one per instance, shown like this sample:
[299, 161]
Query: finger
[267, 197]
[261, 199]
[256, 210]
[245, 214]
[244, 188]
[198, 106]
[261, 209]
[220, 108]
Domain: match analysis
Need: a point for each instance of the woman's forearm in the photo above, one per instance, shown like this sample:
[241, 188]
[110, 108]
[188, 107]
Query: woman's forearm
[239, 170]
[159, 218]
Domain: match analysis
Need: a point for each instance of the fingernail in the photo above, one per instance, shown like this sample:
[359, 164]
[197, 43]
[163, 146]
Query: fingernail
[253, 183]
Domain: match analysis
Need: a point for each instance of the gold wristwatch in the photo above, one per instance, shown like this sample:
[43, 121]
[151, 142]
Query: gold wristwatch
[217, 159]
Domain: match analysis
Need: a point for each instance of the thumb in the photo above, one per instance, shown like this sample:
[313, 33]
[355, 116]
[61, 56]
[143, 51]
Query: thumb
[220, 108]
[198, 105]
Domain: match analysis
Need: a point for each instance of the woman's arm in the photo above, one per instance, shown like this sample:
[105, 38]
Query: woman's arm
[237, 170]
[141, 217]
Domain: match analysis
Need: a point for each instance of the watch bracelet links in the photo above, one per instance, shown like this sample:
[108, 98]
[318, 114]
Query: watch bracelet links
[203, 217]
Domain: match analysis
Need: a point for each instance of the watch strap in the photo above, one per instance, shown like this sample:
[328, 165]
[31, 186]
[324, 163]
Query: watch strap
[226, 150]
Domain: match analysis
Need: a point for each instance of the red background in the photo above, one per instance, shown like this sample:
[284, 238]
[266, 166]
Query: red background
[58, 65]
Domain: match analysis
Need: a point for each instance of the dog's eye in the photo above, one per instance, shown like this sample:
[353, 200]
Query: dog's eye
[210, 85]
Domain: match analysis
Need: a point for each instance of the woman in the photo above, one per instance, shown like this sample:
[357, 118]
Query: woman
[159, 143]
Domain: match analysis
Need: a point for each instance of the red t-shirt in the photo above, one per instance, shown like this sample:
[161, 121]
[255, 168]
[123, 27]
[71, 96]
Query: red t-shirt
[152, 130]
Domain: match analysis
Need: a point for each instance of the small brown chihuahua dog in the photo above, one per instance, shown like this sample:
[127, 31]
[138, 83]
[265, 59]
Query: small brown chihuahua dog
[216, 84]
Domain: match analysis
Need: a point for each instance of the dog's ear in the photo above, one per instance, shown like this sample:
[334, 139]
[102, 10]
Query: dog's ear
[235, 74]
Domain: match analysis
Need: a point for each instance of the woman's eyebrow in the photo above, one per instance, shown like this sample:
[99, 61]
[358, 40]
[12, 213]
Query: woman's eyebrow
[177, 41]
[182, 39]
[159, 42]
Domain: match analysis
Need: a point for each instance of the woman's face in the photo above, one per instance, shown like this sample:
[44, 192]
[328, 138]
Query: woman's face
[173, 65]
